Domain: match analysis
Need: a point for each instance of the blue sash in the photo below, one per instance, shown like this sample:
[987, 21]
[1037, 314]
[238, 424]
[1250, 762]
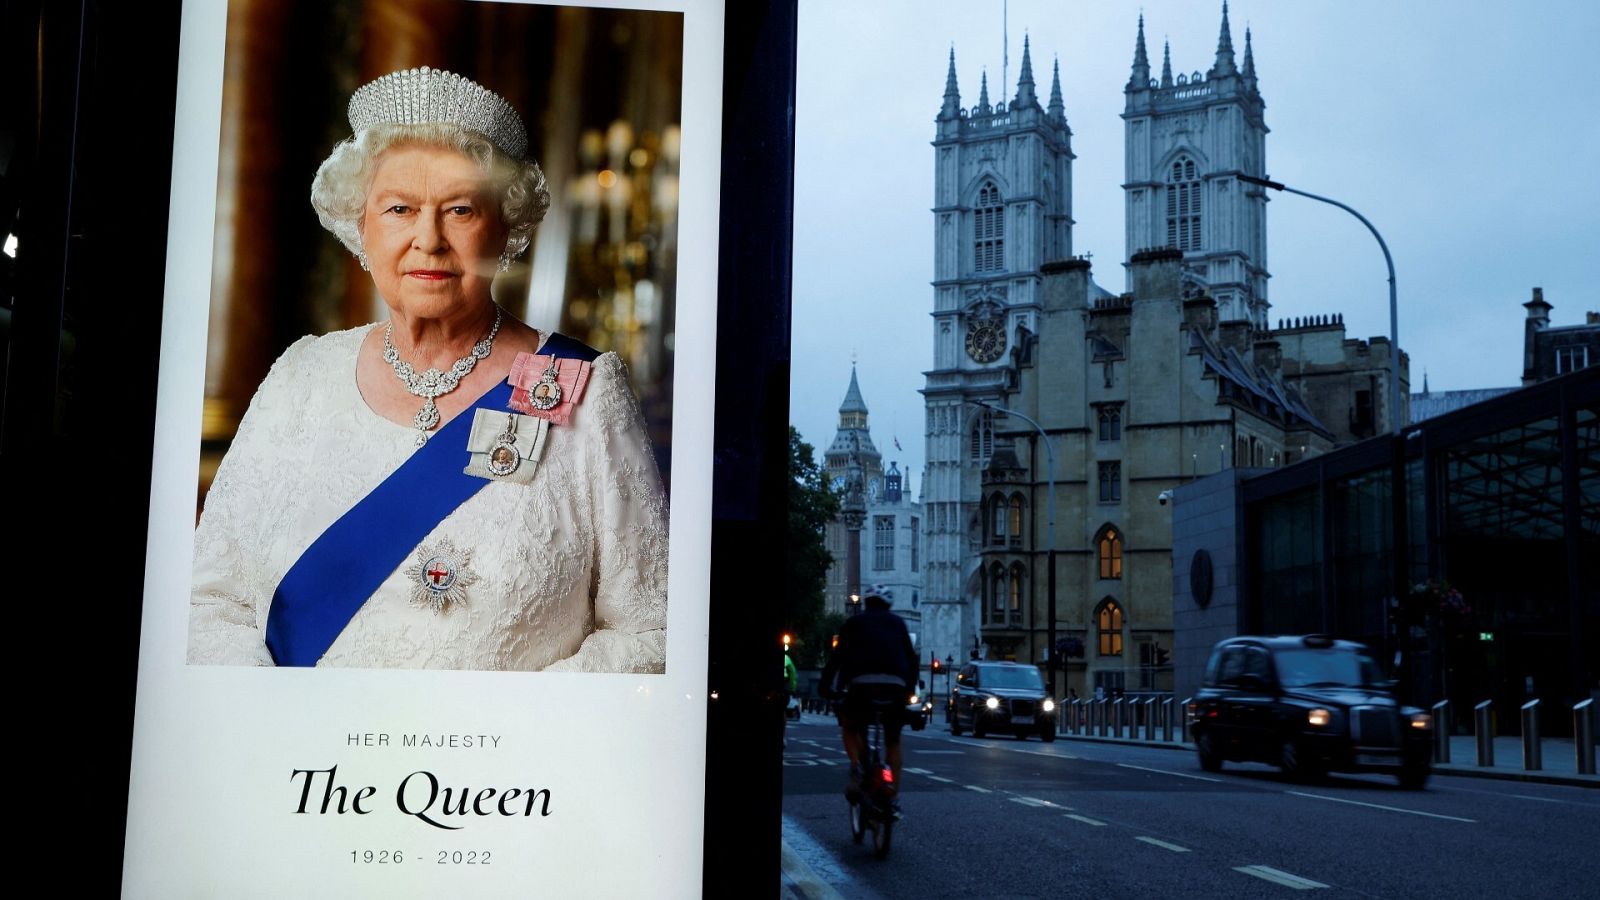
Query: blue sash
[335, 576]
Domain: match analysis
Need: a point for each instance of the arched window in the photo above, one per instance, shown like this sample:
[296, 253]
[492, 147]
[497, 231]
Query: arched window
[997, 594]
[1183, 205]
[997, 518]
[1108, 618]
[882, 543]
[1110, 553]
[1014, 525]
[1014, 598]
[982, 437]
[989, 230]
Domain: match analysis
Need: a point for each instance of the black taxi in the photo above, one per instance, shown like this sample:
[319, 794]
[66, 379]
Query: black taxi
[1002, 696]
[1308, 705]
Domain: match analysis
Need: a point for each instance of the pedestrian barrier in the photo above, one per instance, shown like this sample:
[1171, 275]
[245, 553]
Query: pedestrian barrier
[1441, 731]
[1583, 735]
[1166, 719]
[1183, 711]
[1482, 727]
[1102, 711]
[1150, 719]
[1532, 758]
[1118, 708]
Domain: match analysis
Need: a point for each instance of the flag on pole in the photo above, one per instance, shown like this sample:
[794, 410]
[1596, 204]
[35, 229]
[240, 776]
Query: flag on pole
[897, 444]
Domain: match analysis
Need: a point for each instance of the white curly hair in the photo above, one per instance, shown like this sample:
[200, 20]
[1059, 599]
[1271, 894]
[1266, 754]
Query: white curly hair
[339, 190]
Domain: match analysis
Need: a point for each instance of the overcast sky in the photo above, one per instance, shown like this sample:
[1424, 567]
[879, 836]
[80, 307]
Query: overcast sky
[1468, 132]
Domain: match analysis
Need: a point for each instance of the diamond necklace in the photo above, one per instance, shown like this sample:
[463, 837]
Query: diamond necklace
[435, 383]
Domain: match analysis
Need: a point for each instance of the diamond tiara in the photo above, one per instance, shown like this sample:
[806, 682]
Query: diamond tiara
[426, 96]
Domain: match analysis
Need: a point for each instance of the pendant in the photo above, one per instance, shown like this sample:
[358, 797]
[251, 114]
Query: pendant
[547, 393]
[440, 576]
[504, 456]
[427, 416]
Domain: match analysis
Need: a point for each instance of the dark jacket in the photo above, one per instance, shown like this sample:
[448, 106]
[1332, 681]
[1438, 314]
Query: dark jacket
[873, 643]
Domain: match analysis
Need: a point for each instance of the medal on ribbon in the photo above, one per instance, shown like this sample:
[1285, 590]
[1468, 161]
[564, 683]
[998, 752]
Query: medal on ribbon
[548, 387]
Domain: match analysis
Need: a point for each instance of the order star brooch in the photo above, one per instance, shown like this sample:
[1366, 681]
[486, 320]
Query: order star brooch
[441, 575]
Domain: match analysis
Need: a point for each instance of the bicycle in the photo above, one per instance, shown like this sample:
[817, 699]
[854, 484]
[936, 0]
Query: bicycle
[872, 807]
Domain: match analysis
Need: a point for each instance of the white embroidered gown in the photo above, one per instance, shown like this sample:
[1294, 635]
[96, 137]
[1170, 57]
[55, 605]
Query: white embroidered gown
[572, 567]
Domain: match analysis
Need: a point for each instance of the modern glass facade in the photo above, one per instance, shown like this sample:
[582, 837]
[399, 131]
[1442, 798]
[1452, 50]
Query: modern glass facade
[1466, 550]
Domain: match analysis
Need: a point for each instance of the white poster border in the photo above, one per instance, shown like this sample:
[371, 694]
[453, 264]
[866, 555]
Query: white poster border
[214, 795]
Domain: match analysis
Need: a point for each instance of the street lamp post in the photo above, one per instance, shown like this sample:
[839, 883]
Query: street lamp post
[1394, 309]
[1050, 532]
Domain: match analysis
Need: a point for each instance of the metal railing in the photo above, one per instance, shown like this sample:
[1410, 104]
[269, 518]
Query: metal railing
[1163, 719]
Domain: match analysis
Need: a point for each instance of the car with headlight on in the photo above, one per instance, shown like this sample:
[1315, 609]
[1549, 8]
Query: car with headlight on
[919, 712]
[1002, 697]
[1309, 705]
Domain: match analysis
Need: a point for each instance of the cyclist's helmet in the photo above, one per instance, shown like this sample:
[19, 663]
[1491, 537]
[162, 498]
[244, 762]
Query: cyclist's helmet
[878, 593]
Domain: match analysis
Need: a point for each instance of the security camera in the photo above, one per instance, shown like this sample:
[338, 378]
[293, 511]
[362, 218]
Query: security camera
[1164, 497]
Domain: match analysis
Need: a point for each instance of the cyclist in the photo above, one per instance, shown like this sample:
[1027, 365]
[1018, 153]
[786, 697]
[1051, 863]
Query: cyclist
[874, 660]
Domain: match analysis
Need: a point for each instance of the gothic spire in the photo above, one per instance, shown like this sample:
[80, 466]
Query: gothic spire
[1249, 60]
[852, 397]
[983, 92]
[1224, 63]
[1166, 64]
[1057, 110]
[1025, 93]
[952, 93]
[1140, 78]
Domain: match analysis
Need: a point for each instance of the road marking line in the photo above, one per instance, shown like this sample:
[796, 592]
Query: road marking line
[805, 879]
[1086, 820]
[1163, 844]
[1414, 812]
[1540, 799]
[973, 787]
[940, 752]
[941, 779]
[1280, 877]
[918, 771]
[1030, 801]
[1168, 772]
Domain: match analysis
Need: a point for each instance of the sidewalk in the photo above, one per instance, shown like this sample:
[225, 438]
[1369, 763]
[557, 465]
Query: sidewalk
[1559, 764]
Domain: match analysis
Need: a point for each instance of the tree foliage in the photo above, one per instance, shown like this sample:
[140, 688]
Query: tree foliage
[812, 505]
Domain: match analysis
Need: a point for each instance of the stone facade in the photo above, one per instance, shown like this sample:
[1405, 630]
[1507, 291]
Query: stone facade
[1179, 377]
[891, 537]
[1551, 351]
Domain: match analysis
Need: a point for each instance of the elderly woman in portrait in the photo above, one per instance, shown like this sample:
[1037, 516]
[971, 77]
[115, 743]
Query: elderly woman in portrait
[450, 489]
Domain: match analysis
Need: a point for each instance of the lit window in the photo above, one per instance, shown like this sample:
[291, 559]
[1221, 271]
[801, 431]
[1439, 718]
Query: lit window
[1183, 205]
[1109, 618]
[1110, 554]
[1015, 523]
[989, 231]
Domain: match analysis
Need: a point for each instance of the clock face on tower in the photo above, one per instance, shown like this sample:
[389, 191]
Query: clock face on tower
[986, 340]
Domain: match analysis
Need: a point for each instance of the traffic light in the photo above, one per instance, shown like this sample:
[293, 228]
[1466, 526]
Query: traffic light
[835, 644]
[937, 666]
[1163, 658]
[787, 640]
